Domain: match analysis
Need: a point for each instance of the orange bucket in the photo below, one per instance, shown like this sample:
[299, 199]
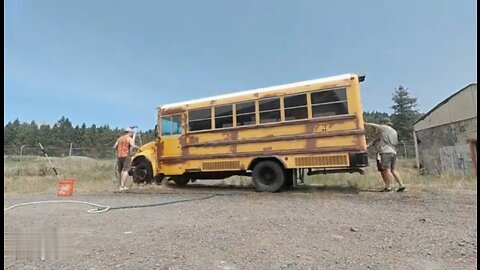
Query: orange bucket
[65, 187]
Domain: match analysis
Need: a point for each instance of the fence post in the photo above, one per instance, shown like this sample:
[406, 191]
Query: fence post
[70, 151]
[21, 149]
[417, 155]
[404, 150]
[69, 158]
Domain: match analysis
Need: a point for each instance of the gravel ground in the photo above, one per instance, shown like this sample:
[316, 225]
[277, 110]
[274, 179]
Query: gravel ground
[306, 228]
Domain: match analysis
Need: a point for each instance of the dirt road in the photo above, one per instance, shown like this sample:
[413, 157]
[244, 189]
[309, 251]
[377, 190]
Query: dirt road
[241, 229]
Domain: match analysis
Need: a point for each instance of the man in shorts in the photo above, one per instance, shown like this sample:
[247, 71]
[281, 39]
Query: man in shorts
[122, 147]
[387, 154]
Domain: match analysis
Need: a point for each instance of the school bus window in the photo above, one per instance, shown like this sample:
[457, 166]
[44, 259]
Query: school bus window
[269, 110]
[328, 103]
[330, 109]
[295, 107]
[171, 125]
[245, 113]
[166, 125]
[223, 116]
[329, 96]
[176, 124]
[200, 119]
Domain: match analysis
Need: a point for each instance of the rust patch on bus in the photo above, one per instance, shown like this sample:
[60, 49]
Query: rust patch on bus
[359, 140]
[183, 139]
[310, 128]
[160, 147]
[311, 143]
[192, 139]
[317, 150]
[184, 151]
[229, 138]
[325, 125]
[233, 137]
[170, 111]
[272, 95]
[281, 138]
[356, 121]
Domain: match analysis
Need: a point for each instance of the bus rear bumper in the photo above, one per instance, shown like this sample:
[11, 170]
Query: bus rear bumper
[358, 160]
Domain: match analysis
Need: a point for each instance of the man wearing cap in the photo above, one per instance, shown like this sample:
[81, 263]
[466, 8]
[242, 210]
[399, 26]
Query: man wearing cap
[386, 154]
[122, 147]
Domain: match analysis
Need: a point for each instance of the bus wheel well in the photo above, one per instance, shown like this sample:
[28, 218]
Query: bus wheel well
[259, 159]
[140, 159]
[142, 170]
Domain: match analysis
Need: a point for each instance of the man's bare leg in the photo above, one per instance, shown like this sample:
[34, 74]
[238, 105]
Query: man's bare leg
[387, 179]
[124, 176]
[396, 175]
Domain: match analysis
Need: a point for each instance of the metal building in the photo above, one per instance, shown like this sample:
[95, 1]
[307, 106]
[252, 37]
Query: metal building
[446, 136]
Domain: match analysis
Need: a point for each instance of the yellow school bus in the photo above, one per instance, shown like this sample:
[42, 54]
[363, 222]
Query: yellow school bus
[276, 135]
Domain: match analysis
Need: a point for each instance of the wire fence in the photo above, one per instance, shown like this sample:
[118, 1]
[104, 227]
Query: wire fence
[405, 150]
[95, 153]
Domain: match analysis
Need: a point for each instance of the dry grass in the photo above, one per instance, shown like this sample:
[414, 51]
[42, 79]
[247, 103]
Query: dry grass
[408, 173]
[372, 179]
[34, 175]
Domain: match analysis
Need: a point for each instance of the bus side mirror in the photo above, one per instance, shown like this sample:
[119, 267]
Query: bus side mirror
[156, 131]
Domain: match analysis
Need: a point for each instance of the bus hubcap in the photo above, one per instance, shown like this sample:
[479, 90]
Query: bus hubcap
[267, 176]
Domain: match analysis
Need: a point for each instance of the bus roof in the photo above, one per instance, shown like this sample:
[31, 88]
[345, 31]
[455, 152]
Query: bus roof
[260, 90]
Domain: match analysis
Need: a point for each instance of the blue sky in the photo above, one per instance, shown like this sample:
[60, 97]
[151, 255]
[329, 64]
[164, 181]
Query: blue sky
[113, 62]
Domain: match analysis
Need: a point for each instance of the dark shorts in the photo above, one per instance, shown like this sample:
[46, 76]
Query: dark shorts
[386, 162]
[123, 163]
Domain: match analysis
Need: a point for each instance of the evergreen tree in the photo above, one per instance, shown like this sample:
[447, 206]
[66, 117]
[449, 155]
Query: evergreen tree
[405, 113]
[45, 135]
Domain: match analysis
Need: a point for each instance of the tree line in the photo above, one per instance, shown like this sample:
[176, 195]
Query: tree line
[62, 133]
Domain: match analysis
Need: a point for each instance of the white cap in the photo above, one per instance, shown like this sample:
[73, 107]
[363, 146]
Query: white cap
[128, 129]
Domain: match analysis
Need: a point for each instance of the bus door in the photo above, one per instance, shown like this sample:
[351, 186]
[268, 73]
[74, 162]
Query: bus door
[170, 134]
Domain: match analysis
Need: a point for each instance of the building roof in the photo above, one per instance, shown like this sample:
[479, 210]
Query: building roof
[443, 102]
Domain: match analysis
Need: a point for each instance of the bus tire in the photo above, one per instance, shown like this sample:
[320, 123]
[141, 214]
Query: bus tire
[180, 180]
[268, 176]
[143, 173]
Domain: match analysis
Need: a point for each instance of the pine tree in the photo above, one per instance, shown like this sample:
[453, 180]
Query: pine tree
[405, 113]
[45, 135]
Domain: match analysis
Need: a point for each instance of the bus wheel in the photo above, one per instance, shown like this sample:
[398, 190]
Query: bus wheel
[143, 173]
[180, 180]
[268, 176]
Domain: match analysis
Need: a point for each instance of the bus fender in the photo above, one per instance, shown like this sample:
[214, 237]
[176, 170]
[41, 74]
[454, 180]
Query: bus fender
[275, 158]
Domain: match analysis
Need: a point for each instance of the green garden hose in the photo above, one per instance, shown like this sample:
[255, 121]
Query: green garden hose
[105, 208]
